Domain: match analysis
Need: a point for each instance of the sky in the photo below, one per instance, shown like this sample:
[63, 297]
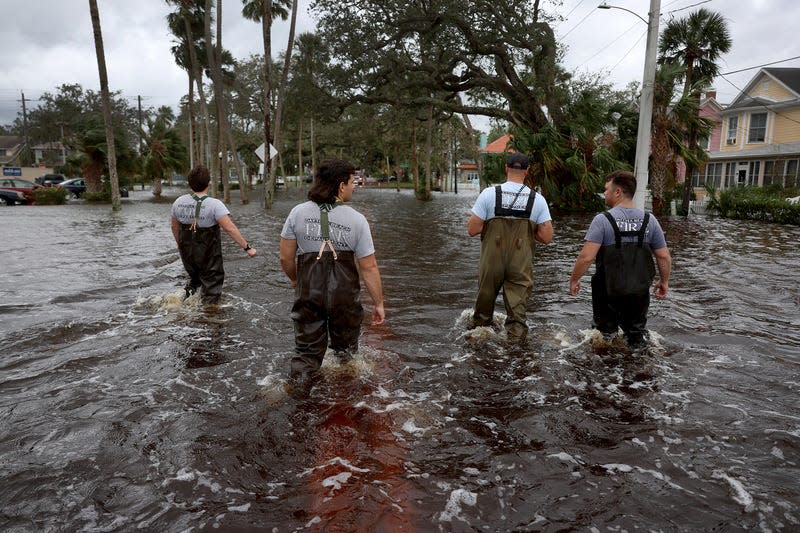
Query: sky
[46, 43]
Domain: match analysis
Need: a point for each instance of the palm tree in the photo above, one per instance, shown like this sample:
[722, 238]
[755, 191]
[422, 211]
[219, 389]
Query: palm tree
[672, 119]
[264, 11]
[165, 151]
[106, 97]
[697, 42]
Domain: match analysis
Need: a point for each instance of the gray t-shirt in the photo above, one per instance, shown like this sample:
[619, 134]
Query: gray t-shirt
[349, 230]
[211, 210]
[628, 219]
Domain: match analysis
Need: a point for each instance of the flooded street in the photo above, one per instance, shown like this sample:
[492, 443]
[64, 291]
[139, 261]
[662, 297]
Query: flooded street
[125, 408]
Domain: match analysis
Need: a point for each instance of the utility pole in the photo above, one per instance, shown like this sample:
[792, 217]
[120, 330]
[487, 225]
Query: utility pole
[646, 107]
[139, 97]
[24, 123]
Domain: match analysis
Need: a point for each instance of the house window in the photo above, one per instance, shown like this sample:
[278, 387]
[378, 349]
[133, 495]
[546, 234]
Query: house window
[790, 176]
[758, 128]
[703, 142]
[2, 152]
[733, 126]
[769, 173]
[730, 175]
[755, 168]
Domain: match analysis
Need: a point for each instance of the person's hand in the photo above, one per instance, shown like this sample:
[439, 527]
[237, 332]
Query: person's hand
[574, 287]
[660, 289]
[378, 314]
[251, 252]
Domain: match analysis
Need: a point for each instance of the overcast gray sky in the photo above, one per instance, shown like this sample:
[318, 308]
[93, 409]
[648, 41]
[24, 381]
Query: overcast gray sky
[46, 43]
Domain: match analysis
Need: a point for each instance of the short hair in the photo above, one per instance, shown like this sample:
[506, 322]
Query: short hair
[330, 174]
[625, 180]
[198, 178]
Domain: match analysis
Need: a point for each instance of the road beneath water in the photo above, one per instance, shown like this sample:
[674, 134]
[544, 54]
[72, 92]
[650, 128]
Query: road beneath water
[125, 408]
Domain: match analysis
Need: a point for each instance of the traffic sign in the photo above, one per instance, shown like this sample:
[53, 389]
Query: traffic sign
[12, 171]
[260, 152]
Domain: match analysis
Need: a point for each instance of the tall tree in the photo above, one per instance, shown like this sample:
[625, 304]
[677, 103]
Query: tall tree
[501, 55]
[264, 11]
[106, 97]
[165, 151]
[697, 42]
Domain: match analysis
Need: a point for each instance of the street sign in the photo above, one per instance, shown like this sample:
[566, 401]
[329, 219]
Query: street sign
[12, 171]
[260, 152]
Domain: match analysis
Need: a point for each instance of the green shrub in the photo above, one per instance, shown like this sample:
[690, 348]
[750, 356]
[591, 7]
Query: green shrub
[50, 196]
[756, 203]
[102, 197]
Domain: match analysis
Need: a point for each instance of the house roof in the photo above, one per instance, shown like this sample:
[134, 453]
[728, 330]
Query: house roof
[498, 146]
[788, 76]
[748, 101]
[10, 141]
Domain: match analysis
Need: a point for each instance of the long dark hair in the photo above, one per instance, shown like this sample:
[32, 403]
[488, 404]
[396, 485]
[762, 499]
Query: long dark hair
[330, 174]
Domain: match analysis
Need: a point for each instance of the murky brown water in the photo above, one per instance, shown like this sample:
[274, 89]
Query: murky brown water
[124, 409]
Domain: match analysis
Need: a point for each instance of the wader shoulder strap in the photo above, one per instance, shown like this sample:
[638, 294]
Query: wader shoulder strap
[619, 234]
[500, 211]
[325, 229]
[199, 200]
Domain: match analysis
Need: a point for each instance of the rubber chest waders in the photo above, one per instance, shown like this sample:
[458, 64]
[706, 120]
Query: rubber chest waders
[621, 284]
[327, 305]
[201, 253]
[506, 263]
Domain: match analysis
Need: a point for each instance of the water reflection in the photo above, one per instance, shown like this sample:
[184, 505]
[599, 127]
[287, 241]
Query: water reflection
[126, 407]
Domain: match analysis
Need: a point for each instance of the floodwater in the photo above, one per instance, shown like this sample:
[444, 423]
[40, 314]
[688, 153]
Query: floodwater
[125, 409]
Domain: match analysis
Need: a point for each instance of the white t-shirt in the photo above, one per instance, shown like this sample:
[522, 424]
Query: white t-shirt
[484, 205]
[211, 210]
[349, 230]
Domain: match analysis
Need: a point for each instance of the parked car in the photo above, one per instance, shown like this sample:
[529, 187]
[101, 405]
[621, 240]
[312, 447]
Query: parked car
[76, 186]
[280, 183]
[23, 186]
[11, 197]
[48, 180]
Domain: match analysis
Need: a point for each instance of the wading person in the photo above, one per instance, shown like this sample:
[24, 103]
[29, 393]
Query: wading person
[324, 246]
[623, 240]
[196, 222]
[508, 217]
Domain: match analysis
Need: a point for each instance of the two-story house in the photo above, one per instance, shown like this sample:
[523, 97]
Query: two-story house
[759, 140]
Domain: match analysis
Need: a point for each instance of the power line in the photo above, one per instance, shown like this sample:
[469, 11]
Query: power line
[629, 51]
[759, 103]
[579, 23]
[759, 66]
[687, 7]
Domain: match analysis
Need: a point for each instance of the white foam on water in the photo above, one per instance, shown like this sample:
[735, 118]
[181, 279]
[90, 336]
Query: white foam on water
[453, 510]
[239, 508]
[336, 482]
[739, 493]
[565, 457]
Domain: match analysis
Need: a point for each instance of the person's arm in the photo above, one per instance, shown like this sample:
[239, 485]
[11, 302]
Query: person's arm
[230, 228]
[544, 232]
[474, 225]
[582, 264]
[372, 279]
[288, 259]
[664, 262]
[176, 228]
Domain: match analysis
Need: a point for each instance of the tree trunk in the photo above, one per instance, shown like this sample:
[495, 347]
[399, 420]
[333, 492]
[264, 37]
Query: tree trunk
[213, 53]
[282, 87]
[266, 30]
[313, 150]
[300, 169]
[414, 163]
[111, 153]
[426, 194]
[205, 154]
[190, 106]
[692, 146]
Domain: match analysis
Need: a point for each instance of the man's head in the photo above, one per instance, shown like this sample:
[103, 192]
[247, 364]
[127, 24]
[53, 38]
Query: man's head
[620, 185]
[335, 178]
[199, 178]
[517, 161]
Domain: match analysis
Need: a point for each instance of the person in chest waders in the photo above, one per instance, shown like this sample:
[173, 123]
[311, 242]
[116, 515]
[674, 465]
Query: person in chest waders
[623, 240]
[508, 217]
[324, 245]
[196, 221]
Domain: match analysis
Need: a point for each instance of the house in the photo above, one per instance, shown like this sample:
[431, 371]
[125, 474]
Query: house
[10, 148]
[759, 141]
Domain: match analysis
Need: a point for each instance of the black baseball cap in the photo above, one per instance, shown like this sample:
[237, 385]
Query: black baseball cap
[518, 160]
